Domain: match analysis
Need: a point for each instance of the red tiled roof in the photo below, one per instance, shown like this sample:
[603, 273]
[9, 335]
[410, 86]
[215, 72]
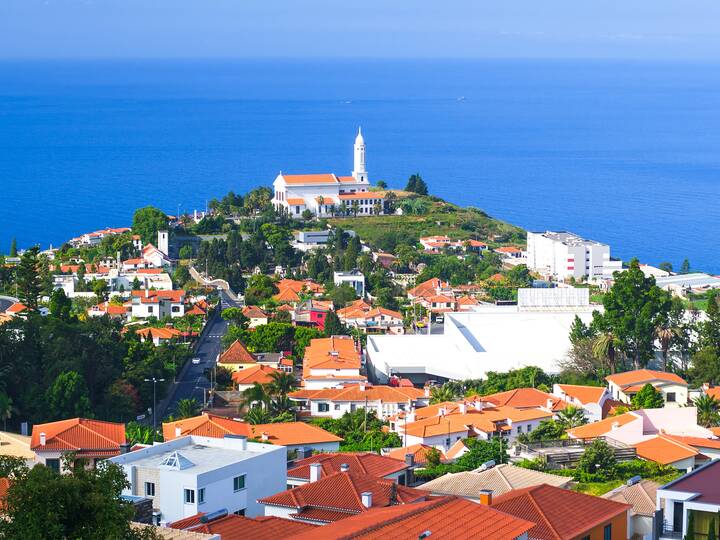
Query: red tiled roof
[257, 374]
[641, 376]
[558, 514]
[355, 392]
[254, 312]
[665, 450]
[87, 437]
[4, 486]
[444, 517]
[601, 427]
[428, 288]
[17, 307]
[584, 394]
[341, 493]
[361, 195]
[300, 179]
[234, 527]
[361, 463]
[158, 333]
[237, 353]
[525, 398]
[419, 452]
[282, 433]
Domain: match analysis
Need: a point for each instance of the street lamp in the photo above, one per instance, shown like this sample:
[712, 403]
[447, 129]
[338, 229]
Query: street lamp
[154, 381]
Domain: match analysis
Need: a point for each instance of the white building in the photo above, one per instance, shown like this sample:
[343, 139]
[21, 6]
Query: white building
[565, 255]
[328, 194]
[150, 303]
[205, 474]
[355, 279]
[490, 338]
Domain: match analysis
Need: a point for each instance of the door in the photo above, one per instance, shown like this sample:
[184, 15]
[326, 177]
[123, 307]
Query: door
[677, 516]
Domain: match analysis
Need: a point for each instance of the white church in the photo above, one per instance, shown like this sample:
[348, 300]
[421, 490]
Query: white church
[327, 194]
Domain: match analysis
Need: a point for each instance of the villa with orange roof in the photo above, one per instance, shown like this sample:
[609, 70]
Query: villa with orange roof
[332, 363]
[256, 316]
[314, 467]
[93, 440]
[258, 374]
[327, 194]
[237, 358]
[293, 435]
[158, 335]
[114, 311]
[368, 319]
[153, 303]
[437, 244]
[526, 398]
[591, 399]
[385, 401]
[623, 386]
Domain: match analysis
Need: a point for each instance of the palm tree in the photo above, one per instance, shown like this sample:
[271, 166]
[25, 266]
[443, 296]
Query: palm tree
[282, 384]
[280, 405]
[187, 408]
[571, 417]
[708, 410]
[666, 334]
[377, 208]
[440, 394]
[605, 346]
[320, 202]
[355, 207]
[257, 415]
[255, 395]
[343, 209]
[6, 409]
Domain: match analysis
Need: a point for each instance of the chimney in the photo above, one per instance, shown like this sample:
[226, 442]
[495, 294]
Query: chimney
[366, 499]
[178, 431]
[235, 442]
[344, 467]
[315, 472]
[125, 448]
[264, 437]
[486, 497]
[361, 386]
[549, 404]
[479, 405]
[410, 460]
[42, 438]
[441, 411]
[463, 407]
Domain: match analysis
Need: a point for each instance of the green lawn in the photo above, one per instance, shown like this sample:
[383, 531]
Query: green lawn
[600, 488]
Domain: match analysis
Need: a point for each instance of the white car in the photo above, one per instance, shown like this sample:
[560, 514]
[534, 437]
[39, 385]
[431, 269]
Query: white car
[196, 361]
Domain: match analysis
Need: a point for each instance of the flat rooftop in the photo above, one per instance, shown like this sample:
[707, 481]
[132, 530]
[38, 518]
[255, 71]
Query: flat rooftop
[690, 281]
[568, 238]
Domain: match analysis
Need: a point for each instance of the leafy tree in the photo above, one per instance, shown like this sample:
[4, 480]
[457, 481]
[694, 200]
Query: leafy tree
[360, 431]
[547, 430]
[13, 247]
[235, 316]
[256, 397]
[433, 457]
[258, 415]
[68, 397]
[100, 288]
[82, 504]
[482, 451]
[259, 290]
[598, 459]
[708, 410]
[381, 184]
[187, 408]
[282, 384]
[186, 252]
[60, 304]
[147, 222]
[307, 214]
[579, 331]
[666, 266]
[27, 278]
[141, 434]
[648, 398]
[333, 325]
[633, 308]
[605, 347]
[223, 377]
[342, 295]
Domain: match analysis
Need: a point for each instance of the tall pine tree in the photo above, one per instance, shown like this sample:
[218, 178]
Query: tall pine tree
[29, 284]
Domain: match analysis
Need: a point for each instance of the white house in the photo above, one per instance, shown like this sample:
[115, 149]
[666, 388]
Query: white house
[563, 255]
[328, 194]
[385, 401]
[590, 398]
[332, 363]
[205, 474]
[151, 303]
[623, 386]
[354, 278]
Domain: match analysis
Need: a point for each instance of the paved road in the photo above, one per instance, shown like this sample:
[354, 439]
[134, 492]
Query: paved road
[192, 383]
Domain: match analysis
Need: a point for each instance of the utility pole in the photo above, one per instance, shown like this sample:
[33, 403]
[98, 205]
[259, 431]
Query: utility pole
[154, 381]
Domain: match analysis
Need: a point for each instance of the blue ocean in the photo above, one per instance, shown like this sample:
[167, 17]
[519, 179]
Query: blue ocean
[622, 152]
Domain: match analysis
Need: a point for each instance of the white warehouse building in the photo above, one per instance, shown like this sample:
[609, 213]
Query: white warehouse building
[565, 255]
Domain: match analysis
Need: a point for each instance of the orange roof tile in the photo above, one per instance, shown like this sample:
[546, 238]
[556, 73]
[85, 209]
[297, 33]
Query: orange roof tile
[237, 353]
[600, 428]
[445, 517]
[17, 307]
[357, 392]
[340, 493]
[300, 179]
[89, 438]
[584, 394]
[428, 288]
[234, 527]
[365, 463]
[558, 514]
[508, 249]
[419, 451]
[525, 398]
[337, 352]
[665, 450]
[257, 374]
[347, 179]
[456, 450]
[299, 201]
[641, 376]
[254, 312]
[282, 433]
[159, 333]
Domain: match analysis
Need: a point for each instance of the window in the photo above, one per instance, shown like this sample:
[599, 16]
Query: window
[175, 309]
[323, 407]
[607, 532]
[337, 406]
[149, 489]
[670, 397]
[201, 495]
[53, 464]
[519, 429]
[150, 309]
[586, 537]
[189, 496]
[241, 512]
[239, 482]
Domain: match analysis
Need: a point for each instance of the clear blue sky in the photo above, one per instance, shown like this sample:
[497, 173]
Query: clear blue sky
[650, 29]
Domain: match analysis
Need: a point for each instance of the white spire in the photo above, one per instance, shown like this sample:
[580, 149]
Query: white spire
[359, 171]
